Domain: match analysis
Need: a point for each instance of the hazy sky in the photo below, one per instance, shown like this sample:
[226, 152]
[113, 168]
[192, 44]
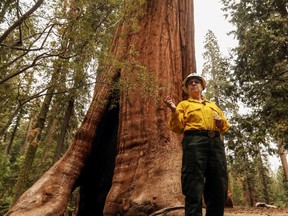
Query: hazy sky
[208, 15]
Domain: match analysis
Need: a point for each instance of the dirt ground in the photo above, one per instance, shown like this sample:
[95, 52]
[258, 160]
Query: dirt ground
[241, 211]
[255, 211]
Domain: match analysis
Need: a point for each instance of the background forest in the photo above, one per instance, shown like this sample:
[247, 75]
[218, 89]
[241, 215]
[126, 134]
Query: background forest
[50, 56]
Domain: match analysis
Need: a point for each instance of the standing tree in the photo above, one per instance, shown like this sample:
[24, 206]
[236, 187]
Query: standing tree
[149, 57]
[216, 71]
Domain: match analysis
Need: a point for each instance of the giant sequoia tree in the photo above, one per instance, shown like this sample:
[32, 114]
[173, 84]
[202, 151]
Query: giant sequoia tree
[123, 147]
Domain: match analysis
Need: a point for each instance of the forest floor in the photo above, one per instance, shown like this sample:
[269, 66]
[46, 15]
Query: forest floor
[255, 211]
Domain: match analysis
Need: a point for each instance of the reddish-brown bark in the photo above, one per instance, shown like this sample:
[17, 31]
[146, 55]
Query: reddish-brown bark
[147, 172]
[283, 158]
[50, 194]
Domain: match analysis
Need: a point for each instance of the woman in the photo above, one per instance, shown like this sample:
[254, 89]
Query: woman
[204, 168]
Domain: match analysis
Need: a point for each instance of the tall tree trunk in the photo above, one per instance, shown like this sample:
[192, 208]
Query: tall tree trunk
[52, 125]
[263, 178]
[283, 158]
[10, 120]
[147, 168]
[15, 128]
[34, 137]
[63, 129]
[35, 134]
[250, 191]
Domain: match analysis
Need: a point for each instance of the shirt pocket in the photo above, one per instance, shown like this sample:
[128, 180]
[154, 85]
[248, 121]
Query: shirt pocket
[193, 115]
[215, 111]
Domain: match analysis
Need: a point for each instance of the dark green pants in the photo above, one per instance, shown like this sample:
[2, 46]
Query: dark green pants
[204, 171]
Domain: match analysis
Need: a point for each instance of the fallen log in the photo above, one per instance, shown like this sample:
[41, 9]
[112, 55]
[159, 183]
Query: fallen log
[262, 204]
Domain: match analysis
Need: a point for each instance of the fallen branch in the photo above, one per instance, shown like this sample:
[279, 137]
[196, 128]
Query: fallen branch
[166, 210]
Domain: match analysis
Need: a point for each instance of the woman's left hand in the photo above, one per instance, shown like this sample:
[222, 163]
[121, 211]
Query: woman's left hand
[219, 122]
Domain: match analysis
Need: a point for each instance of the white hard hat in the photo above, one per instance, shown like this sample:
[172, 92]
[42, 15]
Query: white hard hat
[190, 76]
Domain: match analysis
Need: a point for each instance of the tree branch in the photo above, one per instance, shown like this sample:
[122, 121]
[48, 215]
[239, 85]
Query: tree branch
[21, 20]
[166, 210]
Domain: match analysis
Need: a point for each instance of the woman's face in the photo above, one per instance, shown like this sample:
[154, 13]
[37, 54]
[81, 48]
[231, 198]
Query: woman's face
[194, 86]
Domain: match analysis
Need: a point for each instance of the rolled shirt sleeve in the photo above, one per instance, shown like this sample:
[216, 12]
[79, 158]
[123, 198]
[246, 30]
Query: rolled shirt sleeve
[176, 122]
[225, 126]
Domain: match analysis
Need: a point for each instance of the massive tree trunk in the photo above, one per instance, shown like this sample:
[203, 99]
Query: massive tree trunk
[147, 167]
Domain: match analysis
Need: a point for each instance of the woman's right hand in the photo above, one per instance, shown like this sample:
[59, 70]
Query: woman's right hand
[169, 103]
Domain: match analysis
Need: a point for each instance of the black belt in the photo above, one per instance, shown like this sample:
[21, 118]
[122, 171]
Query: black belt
[209, 133]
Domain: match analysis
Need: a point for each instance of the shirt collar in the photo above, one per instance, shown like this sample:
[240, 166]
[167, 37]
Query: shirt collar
[193, 100]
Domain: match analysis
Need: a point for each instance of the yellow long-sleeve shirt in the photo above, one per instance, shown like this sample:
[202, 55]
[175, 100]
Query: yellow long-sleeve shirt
[192, 115]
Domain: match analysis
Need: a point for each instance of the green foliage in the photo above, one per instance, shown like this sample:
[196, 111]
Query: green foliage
[143, 80]
[216, 73]
[260, 75]
[260, 63]
[236, 188]
[261, 58]
[248, 148]
[246, 134]
[280, 188]
[5, 175]
[8, 176]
